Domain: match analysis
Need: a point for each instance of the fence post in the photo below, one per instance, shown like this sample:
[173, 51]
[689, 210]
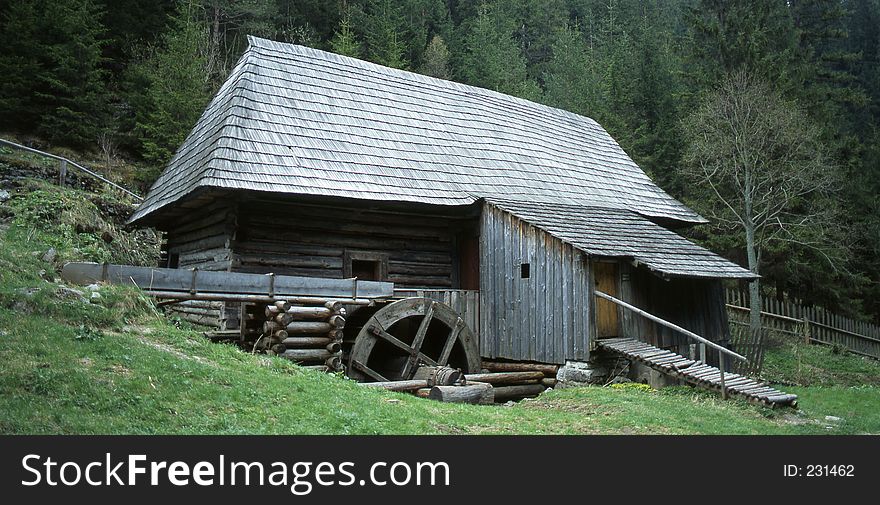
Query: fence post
[62, 173]
[721, 367]
[806, 330]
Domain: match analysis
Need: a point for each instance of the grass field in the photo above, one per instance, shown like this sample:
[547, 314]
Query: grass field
[113, 364]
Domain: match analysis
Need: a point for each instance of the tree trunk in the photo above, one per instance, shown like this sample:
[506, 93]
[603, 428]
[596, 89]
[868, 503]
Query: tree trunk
[756, 335]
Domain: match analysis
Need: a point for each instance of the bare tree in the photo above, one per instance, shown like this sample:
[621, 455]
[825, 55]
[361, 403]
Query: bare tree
[107, 144]
[764, 171]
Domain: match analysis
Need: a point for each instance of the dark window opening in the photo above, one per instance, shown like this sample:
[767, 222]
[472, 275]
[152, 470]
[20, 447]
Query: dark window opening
[173, 260]
[366, 270]
[524, 271]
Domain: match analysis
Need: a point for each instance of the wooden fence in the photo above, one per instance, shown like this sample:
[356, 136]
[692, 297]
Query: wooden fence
[64, 163]
[813, 324]
[465, 302]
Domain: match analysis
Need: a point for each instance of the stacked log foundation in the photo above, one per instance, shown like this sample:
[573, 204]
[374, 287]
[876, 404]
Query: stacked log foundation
[310, 335]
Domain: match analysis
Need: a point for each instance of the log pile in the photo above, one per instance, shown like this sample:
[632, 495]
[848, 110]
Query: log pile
[205, 313]
[445, 384]
[516, 380]
[310, 335]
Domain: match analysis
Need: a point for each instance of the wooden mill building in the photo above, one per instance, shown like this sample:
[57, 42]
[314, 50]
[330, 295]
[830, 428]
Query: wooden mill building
[309, 163]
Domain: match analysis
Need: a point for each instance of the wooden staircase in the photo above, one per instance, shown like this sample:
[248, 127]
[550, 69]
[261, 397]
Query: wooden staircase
[697, 373]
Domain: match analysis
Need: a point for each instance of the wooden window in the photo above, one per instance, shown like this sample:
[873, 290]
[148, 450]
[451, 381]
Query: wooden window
[524, 271]
[367, 266]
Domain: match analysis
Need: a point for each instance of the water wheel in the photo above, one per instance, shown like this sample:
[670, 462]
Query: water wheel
[405, 334]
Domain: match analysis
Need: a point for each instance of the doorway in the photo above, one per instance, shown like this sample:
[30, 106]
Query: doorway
[607, 320]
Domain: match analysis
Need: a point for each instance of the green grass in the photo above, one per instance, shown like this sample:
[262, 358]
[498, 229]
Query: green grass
[790, 361]
[155, 378]
[116, 365]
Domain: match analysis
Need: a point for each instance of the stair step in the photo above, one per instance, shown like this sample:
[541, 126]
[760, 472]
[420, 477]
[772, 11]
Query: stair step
[696, 373]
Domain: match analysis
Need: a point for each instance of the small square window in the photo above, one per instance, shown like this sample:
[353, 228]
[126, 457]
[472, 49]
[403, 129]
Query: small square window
[366, 270]
[365, 265]
[524, 271]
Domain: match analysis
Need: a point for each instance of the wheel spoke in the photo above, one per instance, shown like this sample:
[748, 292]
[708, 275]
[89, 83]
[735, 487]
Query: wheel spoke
[369, 371]
[391, 339]
[450, 342]
[419, 340]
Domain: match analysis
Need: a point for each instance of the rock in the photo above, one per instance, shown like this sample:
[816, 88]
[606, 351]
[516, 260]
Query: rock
[65, 293]
[4, 195]
[93, 287]
[582, 372]
[509, 403]
[833, 419]
[95, 296]
[28, 292]
[49, 256]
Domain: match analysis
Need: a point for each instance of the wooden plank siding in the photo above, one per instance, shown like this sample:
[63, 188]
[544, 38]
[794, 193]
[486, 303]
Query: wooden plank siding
[465, 302]
[545, 317]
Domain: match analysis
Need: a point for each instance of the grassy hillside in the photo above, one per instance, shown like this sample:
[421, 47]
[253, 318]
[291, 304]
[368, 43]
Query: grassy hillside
[74, 360]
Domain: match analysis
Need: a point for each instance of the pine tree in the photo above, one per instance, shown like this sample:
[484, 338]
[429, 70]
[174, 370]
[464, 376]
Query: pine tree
[74, 93]
[20, 65]
[492, 58]
[755, 36]
[177, 75]
[345, 41]
[385, 35]
[53, 80]
[571, 81]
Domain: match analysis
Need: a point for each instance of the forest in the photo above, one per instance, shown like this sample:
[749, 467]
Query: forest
[791, 88]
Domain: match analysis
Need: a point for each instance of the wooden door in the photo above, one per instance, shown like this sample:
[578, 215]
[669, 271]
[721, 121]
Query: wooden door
[607, 323]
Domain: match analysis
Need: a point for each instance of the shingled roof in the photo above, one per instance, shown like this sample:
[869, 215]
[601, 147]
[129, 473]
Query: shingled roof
[621, 233]
[296, 120]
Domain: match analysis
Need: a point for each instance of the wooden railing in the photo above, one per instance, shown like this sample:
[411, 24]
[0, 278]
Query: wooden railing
[703, 342]
[810, 323]
[64, 163]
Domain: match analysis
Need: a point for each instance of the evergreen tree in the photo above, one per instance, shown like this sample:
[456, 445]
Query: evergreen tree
[492, 59]
[73, 92]
[54, 83]
[177, 75]
[754, 36]
[385, 35]
[571, 80]
[20, 64]
[422, 21]
[345, 41]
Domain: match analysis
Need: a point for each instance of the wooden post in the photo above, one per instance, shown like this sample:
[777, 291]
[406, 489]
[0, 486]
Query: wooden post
[721, 367]
[62, 173]
[806, 330]
[702, 352]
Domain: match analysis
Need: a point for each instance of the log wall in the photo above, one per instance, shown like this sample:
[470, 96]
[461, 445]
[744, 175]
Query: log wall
[202, 239]
[318, 241]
